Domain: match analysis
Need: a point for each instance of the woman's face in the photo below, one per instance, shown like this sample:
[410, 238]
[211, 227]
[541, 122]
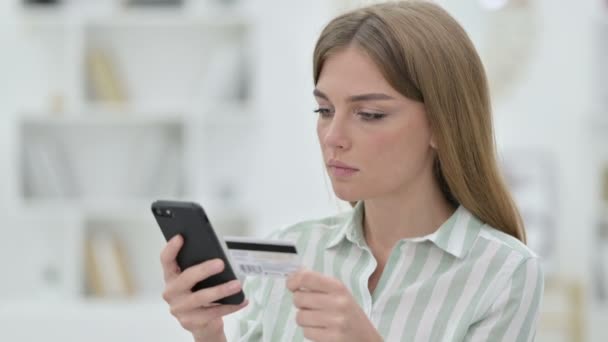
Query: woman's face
[375, 142]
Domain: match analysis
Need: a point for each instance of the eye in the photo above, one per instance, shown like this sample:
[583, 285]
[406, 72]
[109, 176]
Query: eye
[366, 116]
[323, 112]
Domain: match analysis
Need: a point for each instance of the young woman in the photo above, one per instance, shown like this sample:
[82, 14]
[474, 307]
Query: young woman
[434, 248]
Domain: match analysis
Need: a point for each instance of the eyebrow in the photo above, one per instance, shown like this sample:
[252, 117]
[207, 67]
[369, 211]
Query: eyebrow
[356, 98]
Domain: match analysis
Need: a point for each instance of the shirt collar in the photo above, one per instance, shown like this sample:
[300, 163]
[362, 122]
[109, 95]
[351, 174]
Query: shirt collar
[455, 236]
[458, 234]
[351, 229]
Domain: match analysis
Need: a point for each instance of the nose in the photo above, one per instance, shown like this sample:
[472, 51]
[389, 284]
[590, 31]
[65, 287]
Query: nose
[335, 134]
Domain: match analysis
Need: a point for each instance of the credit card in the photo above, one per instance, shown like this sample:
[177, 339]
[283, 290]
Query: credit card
[259, 257]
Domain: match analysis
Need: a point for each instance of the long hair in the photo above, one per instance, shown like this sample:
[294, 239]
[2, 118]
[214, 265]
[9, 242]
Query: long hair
[427, 56]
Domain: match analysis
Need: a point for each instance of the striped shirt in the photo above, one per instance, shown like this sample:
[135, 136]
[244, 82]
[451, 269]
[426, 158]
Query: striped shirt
[465, 282]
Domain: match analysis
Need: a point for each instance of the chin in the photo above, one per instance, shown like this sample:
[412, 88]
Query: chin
[348, 194]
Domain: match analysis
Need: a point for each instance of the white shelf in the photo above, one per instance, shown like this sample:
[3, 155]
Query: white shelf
[90, 320]
[44, 16]
[215, 113]
[124, 209]
[176, 19]
[143, 319]
[48, 17]
[89, 208]
[146, 306]
[99, 119]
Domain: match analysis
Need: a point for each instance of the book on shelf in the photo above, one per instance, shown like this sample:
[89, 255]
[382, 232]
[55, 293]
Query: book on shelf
[104, 81]
[107, 273]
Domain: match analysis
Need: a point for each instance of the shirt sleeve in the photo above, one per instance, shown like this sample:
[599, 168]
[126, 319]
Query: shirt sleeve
[513, 315]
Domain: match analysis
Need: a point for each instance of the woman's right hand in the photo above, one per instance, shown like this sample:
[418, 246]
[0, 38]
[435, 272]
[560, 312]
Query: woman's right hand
[196, 311]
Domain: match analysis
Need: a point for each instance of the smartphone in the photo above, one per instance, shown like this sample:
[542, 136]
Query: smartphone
[200, 242]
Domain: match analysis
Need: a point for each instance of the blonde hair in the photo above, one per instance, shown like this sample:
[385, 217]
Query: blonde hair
[427, 56]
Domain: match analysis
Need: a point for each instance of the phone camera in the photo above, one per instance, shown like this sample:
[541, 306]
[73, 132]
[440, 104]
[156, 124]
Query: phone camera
[162, 212]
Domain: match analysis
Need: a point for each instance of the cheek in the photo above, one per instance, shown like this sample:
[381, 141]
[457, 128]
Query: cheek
[387, 148]
[401, 149]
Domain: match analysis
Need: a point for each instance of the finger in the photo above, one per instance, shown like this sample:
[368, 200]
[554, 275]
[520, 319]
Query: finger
[206, 297]
[192, 275]
[313, 281]
[311, 300]
[200, 317]
[223, 310]
[313, 319]
[168, 256]
[318, 334]
[188, 278]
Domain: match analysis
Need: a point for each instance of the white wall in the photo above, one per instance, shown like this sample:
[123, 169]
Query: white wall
[290, 173]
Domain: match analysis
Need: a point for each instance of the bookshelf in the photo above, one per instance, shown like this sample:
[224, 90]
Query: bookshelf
[128, 105]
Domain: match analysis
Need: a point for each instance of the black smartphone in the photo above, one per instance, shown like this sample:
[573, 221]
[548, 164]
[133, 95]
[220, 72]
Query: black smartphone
[200, 241]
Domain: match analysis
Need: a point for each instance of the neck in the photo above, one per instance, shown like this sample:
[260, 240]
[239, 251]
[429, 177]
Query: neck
[418, 211]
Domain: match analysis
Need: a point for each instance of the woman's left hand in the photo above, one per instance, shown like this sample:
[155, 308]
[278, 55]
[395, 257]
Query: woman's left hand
[327, 311]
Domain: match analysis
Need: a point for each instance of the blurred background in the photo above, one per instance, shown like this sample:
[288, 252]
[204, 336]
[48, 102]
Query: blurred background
[107, 105]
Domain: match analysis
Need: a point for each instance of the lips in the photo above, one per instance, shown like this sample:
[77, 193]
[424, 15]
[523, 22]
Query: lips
[340, 169]
[341, 165]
